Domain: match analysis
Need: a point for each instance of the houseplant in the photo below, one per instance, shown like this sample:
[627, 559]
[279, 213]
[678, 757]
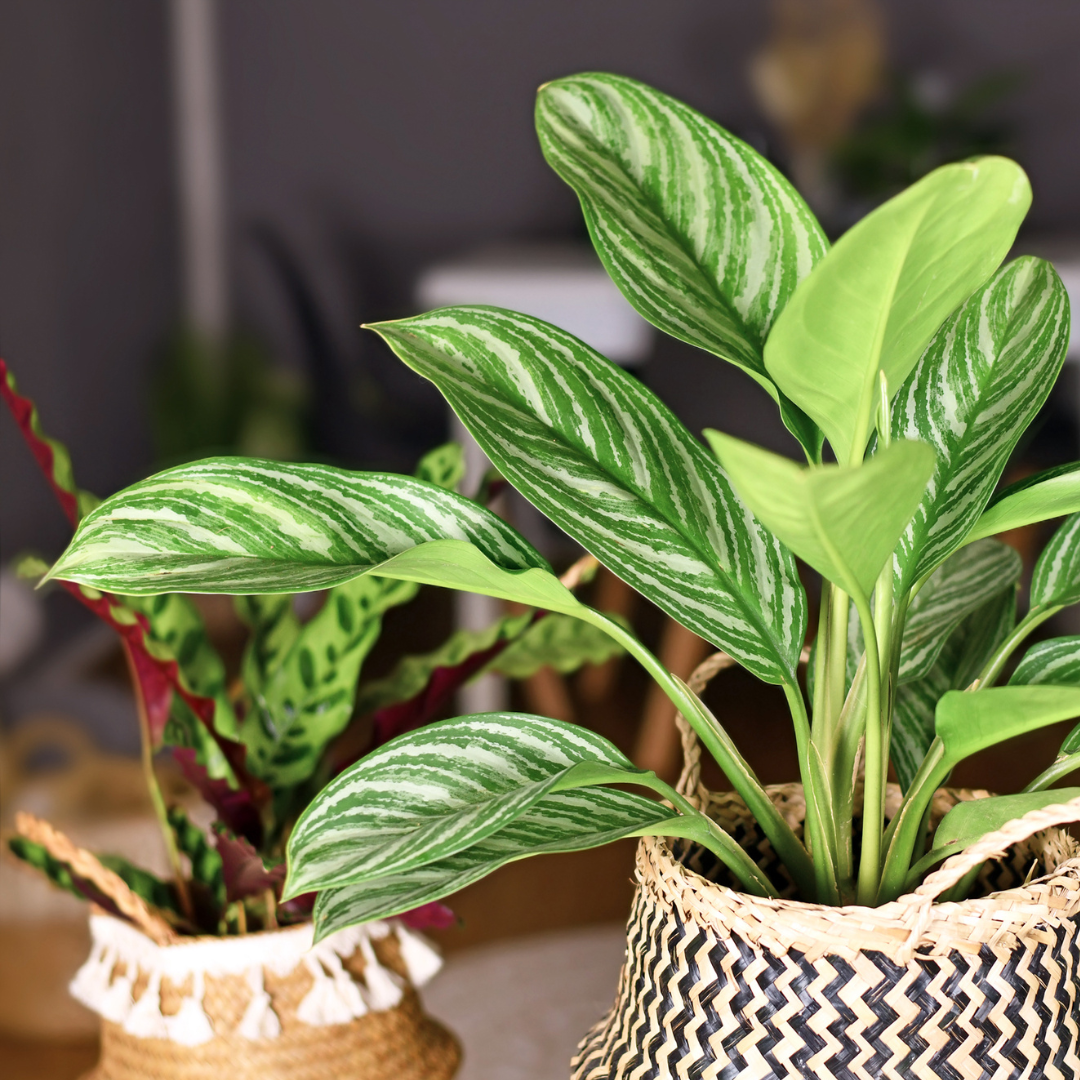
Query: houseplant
[256, 748]
[921, 360]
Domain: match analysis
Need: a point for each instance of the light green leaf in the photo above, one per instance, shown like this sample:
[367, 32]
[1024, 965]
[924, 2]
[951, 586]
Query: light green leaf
[982, 379]
[1045, 495]
[565, 821]
[843, 521]
[434, 792]
[966, 581]
[612, 466]
[1055, 581]
[444, 466]
[876, 299]
[555, 641]
[700, 233]
[241, 525]
[274, 628]
[969, 821]
[965, 652]
[1055, 662]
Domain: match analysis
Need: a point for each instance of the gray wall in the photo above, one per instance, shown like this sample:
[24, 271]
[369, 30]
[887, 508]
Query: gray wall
[375, 136]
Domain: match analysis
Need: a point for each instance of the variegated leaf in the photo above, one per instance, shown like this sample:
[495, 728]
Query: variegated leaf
[963, 583]
[614, 468]
[564, 821]
[1048, 494]
[700, 233]
[242, 525]
[962, 657]
[434, 792]
[978, 385]
[1055, 581]
[1055, 662]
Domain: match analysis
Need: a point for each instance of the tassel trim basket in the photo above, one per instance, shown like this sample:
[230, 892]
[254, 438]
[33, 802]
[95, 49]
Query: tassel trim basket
[719, 985]
[267, 1006]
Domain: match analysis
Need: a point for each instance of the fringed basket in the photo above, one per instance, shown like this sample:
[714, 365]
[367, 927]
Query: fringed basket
[266, 1006]
[719, 985]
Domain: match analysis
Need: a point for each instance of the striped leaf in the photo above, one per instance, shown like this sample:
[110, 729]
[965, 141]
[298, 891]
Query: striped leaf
[1054, 663]
[241, 525]
[977, 387]
[434, 792]
[874, 302]
[962, 584]
[701, 234]
[962, 657]
[1045, 495]
[612, 466]
[565, 821]
[1055, 581]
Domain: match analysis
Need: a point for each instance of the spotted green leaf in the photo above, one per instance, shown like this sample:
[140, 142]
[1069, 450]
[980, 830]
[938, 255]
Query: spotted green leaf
[966, 581]
[555, 641]
[612, 466]
[977, 387]
[241, 525]
[564, 821]
[1048, 494]
[444, 466]
[874, 302]
[700, 233]
[843, 521]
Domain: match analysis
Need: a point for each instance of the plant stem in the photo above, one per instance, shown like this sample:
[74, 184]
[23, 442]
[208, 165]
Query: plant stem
[873, 782]
[993, 667]
[1060, 769]
[271, 910]
[157, 800]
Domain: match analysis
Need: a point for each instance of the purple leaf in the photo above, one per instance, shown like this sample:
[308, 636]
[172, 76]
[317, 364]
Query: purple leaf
[433, 916]
[234, 806]
[243, 868]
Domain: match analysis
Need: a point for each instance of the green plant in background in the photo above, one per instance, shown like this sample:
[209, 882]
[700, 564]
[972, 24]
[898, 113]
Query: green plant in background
[907, 346]
[259, 749]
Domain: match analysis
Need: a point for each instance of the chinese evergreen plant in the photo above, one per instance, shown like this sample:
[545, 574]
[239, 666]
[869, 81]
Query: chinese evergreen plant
[258, 750]
[907, 346]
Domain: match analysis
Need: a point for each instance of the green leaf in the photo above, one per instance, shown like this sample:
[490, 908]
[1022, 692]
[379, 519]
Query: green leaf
[613, 467]
[982, 379]
[843, 521]
[1055, 662]
[565, 821]
[555, 641]
[434, 792]
[966, 581]
[444, 466]
[875, 300]
[969, 821]
[1045, 495]
[274, 628]
[1055, 581]
[35, 855]
[205, 861]
[241, 525]
[701, 234]
[960, 660]
[150, 887]
[308, 697]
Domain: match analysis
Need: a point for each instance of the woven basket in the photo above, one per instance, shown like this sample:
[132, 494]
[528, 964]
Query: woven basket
[718, 984]
[264, 1006]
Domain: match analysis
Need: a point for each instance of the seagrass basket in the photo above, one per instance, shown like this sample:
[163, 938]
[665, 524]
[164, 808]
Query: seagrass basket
[717, 984]
[265, 1006]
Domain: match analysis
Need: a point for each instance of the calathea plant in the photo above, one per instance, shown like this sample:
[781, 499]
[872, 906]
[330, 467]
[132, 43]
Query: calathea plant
[907, 346]
[258, 749]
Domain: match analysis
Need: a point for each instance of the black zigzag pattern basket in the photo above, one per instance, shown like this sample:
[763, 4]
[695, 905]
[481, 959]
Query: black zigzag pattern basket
[719, 985]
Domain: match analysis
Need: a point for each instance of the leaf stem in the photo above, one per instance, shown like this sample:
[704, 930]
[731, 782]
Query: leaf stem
[1060, 769]
[1034, 618]
[873, 780]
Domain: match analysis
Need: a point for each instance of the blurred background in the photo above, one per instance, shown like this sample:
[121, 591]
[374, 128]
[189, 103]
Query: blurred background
[201, 200]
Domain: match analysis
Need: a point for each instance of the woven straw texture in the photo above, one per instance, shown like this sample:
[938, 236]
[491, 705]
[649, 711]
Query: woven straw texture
[718, 984]
[400, 1043]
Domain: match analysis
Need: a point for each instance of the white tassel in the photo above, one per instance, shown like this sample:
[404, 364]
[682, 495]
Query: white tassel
[331, 1000]
[260, 1021]
[384, 988]
[145, 1019]
[422, 961]
[190, 1026]
[92, 980]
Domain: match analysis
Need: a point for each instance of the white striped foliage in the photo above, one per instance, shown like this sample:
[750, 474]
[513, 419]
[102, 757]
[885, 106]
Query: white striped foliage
[1055, 581]
[963, 656]
[241, 525]
[612, 466]
[963, 583]
[436, 791]
[876, 299]
[564, 821]
[1055, 662]
[700, 233]
[1048, 494]
[976, 388]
